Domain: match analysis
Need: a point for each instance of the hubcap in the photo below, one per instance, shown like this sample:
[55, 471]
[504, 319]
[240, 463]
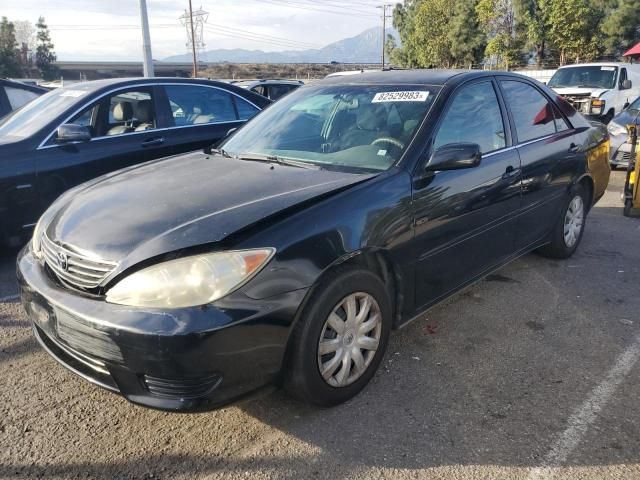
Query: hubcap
[349, 339]
[573, 221]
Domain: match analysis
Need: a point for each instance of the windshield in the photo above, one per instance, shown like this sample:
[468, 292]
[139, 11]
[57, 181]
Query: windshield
[635, 105]
[27, 120]
[588, 77]
[359, 127]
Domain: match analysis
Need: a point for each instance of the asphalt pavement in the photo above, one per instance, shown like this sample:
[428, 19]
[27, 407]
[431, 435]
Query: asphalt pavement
[532, 373]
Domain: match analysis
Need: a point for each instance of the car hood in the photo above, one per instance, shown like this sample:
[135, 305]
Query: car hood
[626, 117]
[183, 201]
[593, 92]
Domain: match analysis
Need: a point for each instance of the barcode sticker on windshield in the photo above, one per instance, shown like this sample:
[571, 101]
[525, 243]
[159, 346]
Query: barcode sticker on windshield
[400, 97]
[608, 69]
[72, 93]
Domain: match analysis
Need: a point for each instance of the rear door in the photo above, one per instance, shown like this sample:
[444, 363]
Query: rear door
[465, 220]
[548, 150]
[201, 115]
[125, 131]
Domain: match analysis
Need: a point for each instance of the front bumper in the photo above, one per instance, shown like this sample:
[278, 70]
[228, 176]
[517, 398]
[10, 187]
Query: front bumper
[620, 153]
[174, 359]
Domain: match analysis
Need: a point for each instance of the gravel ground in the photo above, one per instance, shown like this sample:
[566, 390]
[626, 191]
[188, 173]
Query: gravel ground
[531, 373]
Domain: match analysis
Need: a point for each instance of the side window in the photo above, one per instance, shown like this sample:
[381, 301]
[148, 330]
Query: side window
[194, 105]
[532, 114]
[18, 97]
[245, 109]
[473, 116]
[130, 111]
[87, 118]
[561, 123]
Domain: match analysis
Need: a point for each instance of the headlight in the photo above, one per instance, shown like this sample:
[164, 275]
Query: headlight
[616, 129]
[189, 281]
[37, 238]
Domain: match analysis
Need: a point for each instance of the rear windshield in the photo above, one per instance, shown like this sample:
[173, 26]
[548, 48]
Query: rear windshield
[340, 126]
[584, 77]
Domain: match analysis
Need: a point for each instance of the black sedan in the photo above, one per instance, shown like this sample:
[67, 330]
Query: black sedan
[14, 95]
[82, 131]
[341, 212]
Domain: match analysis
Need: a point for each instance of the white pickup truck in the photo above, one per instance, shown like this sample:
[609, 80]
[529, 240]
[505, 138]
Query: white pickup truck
[598, 90]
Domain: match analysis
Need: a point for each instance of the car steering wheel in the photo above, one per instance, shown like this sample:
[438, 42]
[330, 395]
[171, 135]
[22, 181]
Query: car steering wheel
[392, 141]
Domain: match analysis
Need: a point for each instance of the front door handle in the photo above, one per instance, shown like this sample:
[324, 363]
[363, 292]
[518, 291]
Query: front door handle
[152, 142]
[573, 148]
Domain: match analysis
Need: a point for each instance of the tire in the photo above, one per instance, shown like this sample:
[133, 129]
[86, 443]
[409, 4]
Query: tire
[608, 117]
[562, 246]
[303, 377]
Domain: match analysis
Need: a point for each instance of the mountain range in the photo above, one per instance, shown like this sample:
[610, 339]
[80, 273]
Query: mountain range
[363, 48]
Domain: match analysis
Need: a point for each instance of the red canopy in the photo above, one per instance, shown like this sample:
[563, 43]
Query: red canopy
[632, 51]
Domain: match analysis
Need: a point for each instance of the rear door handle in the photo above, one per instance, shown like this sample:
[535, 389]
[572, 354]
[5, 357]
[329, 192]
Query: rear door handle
[152, 142]
[573, 148]
[510, 172]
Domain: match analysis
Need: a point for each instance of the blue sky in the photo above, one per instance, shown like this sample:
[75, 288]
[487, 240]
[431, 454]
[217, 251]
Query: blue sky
[106, 29]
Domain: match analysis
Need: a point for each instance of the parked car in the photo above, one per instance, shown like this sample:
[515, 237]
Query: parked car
[14, 95]
[598, 90]
[620, 147]
[339, 213]
[272, 89]
[76, 133]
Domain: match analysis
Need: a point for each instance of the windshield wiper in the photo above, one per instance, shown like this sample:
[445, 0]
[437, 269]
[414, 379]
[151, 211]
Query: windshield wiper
[254, 157]
[220, 151]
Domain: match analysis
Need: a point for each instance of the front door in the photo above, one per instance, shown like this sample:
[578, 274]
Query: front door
[125, 131]
[465, 219]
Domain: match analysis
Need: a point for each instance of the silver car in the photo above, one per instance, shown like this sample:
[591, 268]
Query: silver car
[620, 147]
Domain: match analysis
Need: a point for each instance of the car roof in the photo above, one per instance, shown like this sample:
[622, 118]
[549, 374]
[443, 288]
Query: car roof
[415, 77]
[270, 81]
[603, 64]
[116, 82]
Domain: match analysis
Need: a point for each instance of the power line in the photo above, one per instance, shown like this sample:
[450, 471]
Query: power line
[312, 7]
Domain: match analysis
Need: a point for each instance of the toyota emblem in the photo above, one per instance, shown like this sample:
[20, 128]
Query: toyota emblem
[63, 261]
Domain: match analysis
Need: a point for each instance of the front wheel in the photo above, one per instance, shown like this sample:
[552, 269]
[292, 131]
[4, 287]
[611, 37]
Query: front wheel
[340, 338]
[567, 233]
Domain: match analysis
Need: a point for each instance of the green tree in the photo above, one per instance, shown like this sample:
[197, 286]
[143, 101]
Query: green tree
[621, 26]
[45, 56]
[466, 39]
[573, 30]
[497, 19]
[404, 23]
[9, 65]
[433, 46]
[533, 15]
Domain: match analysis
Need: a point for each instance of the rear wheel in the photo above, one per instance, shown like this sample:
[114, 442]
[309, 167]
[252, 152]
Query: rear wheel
[340, 339]
[567, 233]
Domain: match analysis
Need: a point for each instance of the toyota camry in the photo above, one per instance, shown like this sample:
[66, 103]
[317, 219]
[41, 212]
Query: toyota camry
[291, 251]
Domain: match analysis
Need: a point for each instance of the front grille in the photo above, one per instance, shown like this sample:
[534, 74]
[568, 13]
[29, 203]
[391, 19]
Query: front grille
[622, 156]
[190, 388]
[581, 103]
[77, 269]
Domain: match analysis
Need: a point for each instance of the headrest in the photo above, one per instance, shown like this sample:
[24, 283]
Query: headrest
[371, 117]
[144, 111]
[123, 111]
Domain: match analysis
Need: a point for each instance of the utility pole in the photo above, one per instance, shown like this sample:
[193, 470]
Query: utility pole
[147, 63]
[193, 42]
[384, 27]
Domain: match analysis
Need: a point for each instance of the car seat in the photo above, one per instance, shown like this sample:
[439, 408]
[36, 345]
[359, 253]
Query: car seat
[122, 112]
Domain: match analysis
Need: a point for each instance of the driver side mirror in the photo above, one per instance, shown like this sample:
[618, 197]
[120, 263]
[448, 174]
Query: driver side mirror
[70, 132]
[626, 84]
[455, 156]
